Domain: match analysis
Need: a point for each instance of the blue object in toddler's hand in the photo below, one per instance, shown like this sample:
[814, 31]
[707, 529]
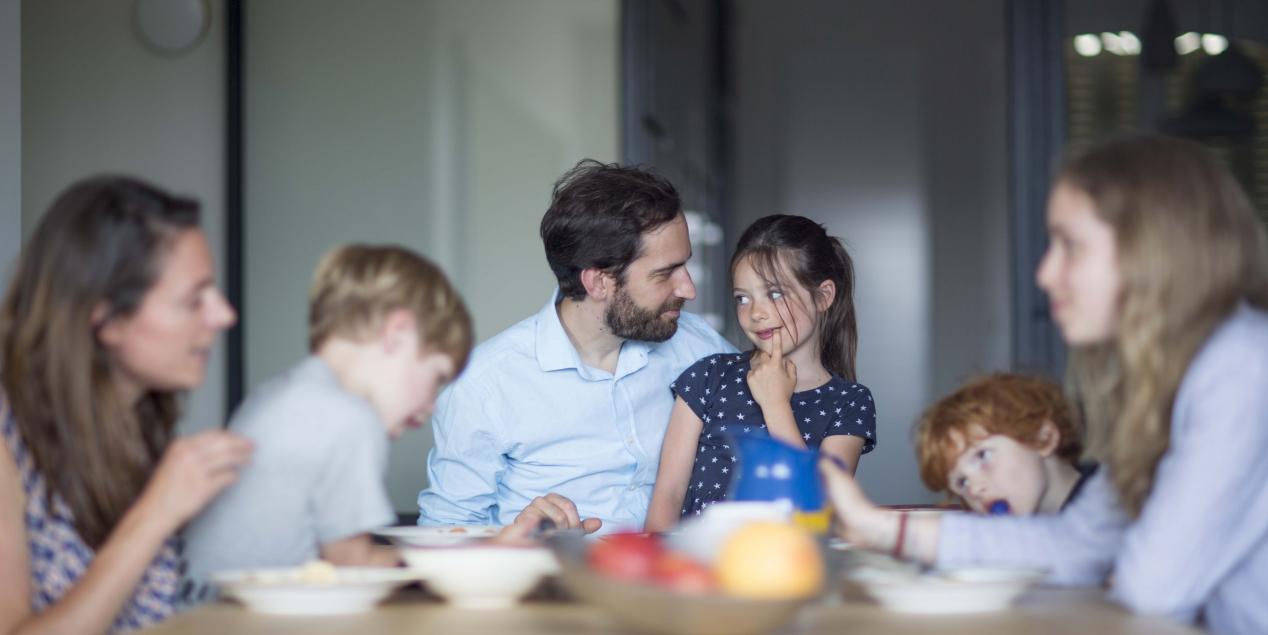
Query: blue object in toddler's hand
[1000, 508]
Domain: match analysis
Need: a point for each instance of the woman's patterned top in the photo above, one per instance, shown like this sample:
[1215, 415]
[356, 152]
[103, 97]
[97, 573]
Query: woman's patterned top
[58, 557]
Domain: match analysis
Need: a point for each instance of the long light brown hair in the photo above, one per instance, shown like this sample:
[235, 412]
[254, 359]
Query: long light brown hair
[1190, 249]
[92, 258]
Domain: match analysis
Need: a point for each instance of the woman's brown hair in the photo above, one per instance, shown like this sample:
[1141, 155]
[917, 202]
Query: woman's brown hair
[1190, 249]
[92, 258]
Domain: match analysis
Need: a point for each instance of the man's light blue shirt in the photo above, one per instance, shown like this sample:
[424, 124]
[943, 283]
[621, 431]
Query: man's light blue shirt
[527, 418]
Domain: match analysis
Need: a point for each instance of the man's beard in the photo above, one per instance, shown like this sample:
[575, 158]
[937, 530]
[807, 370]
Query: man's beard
[630, 321]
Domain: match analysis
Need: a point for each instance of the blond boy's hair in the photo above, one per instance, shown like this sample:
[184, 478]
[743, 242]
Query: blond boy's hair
[356, 286]
[1010, 404]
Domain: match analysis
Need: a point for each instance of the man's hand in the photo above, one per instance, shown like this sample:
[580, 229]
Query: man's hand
[560, 511]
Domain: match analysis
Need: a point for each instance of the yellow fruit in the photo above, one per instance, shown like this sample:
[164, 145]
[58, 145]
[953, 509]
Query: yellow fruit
[769, 560]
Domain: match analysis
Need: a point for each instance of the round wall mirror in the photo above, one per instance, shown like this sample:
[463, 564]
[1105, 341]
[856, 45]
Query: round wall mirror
[171, 26]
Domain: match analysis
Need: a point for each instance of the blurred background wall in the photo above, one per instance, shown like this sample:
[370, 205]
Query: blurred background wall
[439, 125]
[95, 100]
[442, 124]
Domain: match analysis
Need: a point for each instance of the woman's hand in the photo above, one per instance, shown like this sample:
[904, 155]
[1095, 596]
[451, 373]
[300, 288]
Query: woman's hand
[871, 527]
[861, 522]
[771, 377]
[192, 471]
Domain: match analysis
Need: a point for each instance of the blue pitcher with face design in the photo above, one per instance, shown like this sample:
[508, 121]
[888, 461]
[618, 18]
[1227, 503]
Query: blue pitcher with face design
[771, 470]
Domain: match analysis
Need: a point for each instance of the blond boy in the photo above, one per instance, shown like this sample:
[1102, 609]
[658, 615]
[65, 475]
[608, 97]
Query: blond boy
[386, 332]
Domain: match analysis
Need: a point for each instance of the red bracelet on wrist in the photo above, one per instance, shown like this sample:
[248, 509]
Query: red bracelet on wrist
[902, 535]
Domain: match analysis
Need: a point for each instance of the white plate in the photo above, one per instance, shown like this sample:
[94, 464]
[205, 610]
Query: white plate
[963, 590]
[285, 591]
[437, 535]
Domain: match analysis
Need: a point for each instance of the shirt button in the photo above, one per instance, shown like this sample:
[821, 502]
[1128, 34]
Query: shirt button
[630, 439]
[633, 487]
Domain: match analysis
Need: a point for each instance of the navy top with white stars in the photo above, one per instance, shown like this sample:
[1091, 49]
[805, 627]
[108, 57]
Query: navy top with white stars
[716, 389]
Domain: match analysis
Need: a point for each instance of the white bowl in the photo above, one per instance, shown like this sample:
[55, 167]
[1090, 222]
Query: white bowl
[961, 590]
[437, 535]
[286, 591]
[481, 575]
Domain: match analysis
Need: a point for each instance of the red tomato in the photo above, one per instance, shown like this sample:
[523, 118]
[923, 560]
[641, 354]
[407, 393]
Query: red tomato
[626, 556]
[682, 574]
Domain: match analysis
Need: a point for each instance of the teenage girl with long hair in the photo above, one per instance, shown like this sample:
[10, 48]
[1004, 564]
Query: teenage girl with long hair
[1157, 275]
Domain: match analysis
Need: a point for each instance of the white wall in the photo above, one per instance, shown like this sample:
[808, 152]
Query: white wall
[10, 136]
[95, 100]
[440, 125]
[885, 120]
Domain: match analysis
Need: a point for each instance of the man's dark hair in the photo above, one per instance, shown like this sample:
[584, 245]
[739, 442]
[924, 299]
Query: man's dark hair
[598, 213]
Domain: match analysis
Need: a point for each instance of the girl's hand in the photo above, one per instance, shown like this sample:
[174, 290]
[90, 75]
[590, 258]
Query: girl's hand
[772, 378]
[192, 471]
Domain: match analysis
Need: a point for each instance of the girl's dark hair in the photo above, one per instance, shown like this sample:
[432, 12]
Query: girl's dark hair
[597, 217]
[92, 258]
[812, 256]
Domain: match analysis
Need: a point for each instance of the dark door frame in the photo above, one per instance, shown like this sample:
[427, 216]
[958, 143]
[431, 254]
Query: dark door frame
[1036, 126]
[234, 246]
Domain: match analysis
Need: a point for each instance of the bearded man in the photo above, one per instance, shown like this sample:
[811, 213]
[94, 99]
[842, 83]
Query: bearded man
[562, 415]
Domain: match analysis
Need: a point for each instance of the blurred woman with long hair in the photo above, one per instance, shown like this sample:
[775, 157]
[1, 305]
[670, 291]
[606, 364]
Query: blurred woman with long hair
[1157, 275]
[111, 313]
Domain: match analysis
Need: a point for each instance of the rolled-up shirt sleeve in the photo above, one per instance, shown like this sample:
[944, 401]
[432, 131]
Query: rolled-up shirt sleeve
[466, 464]
[1075, 547]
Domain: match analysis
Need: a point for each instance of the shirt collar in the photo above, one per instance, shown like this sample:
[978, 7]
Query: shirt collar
[555, 351]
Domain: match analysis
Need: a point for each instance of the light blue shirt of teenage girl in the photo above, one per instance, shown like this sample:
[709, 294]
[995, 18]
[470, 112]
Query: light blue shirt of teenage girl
[527, 418]
[1199, 550]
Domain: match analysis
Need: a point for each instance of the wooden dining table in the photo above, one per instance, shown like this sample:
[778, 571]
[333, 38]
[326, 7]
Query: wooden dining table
[1044, 610]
